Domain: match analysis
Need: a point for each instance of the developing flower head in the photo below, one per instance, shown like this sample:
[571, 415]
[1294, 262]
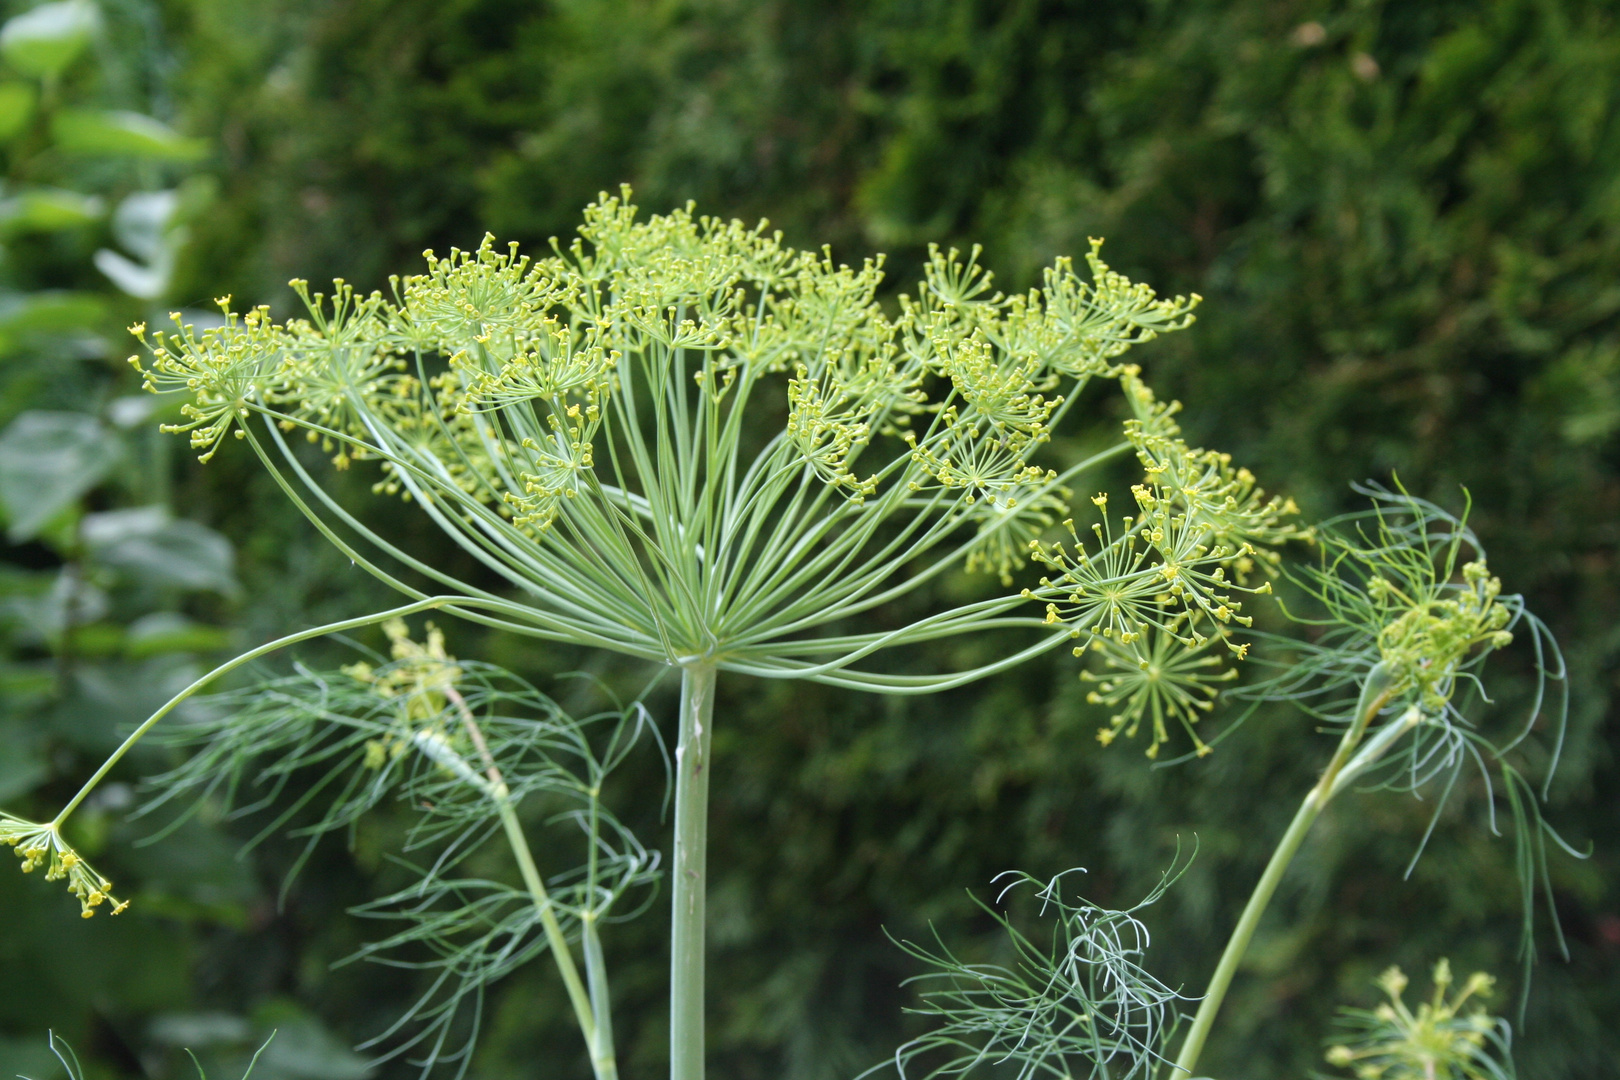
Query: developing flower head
[421, 671]
[422, 682]
[1398, 589]
[1436, 1042]
[42, 845]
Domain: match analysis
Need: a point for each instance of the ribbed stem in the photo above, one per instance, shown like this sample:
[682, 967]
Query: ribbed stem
[1238, 944]
[602, 1062]
[1374, 694]
[590, 1005]
[690, 874]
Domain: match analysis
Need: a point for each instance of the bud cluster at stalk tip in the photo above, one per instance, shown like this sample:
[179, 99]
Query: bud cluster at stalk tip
[1436, 1041]
[42, 845]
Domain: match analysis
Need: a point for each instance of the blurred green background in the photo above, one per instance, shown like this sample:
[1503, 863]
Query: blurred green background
[1404, 218]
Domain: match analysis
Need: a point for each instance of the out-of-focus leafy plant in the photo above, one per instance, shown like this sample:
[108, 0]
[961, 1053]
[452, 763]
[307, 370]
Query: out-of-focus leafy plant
[109, 595]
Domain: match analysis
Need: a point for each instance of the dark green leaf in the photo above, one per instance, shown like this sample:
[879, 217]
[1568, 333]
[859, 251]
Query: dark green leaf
[101, 133]
[47, 461]
[47, 39]
[146, 543]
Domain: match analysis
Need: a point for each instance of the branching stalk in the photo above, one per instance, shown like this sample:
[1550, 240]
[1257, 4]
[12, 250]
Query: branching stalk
[429, 604]
[604, 1066]
[1341, 770]
[590, 1007]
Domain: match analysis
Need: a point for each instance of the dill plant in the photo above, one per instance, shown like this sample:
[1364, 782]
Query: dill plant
[680, 440]
[1403, 614]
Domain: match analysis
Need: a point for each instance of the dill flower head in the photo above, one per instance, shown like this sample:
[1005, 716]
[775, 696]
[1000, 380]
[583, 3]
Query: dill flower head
[42, 845]
[1437, 1041]
[1160, 679]
[587, 425]
[224, 371]
[1155, 588]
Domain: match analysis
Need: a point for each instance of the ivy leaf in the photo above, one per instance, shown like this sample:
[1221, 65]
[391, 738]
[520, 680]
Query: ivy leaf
[48, 210]
[17, 100]
[47, 461]
[45, 40]
[146, 542]
[115, 133]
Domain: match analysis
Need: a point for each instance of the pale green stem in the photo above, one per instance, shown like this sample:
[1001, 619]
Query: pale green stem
[602, 1060]
[596, 979]
[1339, 772]
[169, 706]
[590, 1009]
[690, 874]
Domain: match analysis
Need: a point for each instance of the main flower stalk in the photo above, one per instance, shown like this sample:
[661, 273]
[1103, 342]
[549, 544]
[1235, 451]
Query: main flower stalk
[690, 890]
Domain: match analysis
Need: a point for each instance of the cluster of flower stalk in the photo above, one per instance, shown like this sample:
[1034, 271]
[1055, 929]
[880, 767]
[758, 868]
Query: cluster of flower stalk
[601, 429]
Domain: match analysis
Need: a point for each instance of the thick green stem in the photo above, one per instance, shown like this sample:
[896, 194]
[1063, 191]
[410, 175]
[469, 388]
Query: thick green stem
[1309, 810]
[690, 874]
[1375, 694]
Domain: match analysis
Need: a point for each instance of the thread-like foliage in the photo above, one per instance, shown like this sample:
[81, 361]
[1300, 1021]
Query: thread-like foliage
[1079, 1004]
[460, 742]
[1403, 589]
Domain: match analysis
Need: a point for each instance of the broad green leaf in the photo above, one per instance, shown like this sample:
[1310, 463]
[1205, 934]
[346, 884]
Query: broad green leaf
[38, 615]
[137, 279]
[195, 865]
[95, 132]
[167, 632]
[107, 698]
[17, 100]
[24, 314]
[156, 549]
[47, 461]
[304, 1049]
[45, 40]
[24, 686]
[133, 410]
[95, 640]
[22, 760]
[48, 210]
[141, 224]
